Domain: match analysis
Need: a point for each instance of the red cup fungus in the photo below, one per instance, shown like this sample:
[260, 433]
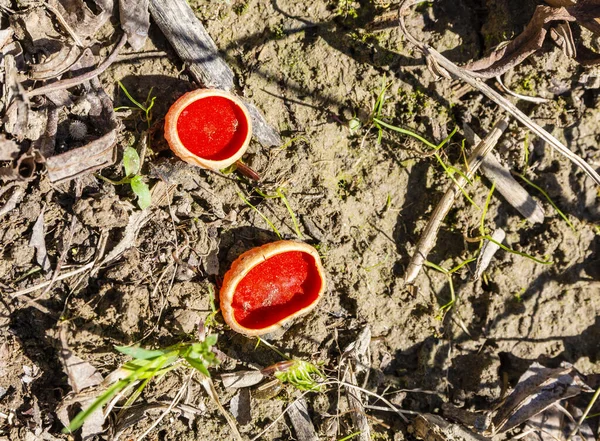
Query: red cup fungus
[270, 285]
[209, 128]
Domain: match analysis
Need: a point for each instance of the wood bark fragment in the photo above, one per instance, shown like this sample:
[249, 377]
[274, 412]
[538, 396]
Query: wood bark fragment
[98, 154]
[506, 184]
[198, 51]
[488, 250]
[303, 426]
[429, 235]
[135, 21]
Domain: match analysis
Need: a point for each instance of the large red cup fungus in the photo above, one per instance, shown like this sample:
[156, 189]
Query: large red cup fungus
[269, 285]
[209, 128]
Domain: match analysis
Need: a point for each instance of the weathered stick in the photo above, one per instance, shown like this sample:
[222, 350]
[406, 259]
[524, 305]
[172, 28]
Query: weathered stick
[506, 185]
[198, 51]
[72, 82]
[429, 235]
[445, 67]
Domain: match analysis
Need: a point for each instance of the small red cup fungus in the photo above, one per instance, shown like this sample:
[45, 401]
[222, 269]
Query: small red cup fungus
[271, 284]
[209, 128]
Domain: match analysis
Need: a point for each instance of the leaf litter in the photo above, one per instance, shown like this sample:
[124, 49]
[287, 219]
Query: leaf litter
[535, 407]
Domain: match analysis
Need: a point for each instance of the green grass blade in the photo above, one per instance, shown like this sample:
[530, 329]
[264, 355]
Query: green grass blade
[485, 209]
[405, 132]
[436, 267]
[541, 190]
[451, 176]
[463, 263]
[126, 92]
[518, 253]
[289, 209]
[247, 202]
[140, 353]
[80, 418]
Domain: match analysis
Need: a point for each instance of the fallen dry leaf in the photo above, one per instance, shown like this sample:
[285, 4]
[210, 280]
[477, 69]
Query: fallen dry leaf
[242, 379]
[80, 17]
[135, 21]
[538, 389]
[38, 241]
[585, 13]
[80, 374]
[240, 406]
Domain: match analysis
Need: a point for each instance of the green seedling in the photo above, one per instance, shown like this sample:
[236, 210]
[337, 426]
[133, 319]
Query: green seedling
[211, 319]
[377, 122]
[302, 375]
[131, 166]
[145, 108]
[149, 364]
[484, 235]
[132, 162]
[299, 373]
[448, 273]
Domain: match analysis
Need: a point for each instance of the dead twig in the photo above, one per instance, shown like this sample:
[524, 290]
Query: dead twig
[446, 68]
[506, 184]
[429, 235]
[72, 82]
[42, 285]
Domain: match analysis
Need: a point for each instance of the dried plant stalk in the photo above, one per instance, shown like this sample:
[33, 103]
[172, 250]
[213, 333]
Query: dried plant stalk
[429, 235]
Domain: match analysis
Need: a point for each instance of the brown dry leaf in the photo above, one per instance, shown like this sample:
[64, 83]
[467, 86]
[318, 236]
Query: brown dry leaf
[586, 13]
[38, 241]
[12, 201]
[80, 374]
[5, 36]
[82, 377]
[434, 428]
[17, 110]
[35, 29]
[135, 21]
[80, 17]
[209, 387]
[528, 42]
[56, 64]
[556, 424]
[538, 389]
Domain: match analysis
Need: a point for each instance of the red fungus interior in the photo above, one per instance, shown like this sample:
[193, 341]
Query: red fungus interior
[275, 289]
[212, 128]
